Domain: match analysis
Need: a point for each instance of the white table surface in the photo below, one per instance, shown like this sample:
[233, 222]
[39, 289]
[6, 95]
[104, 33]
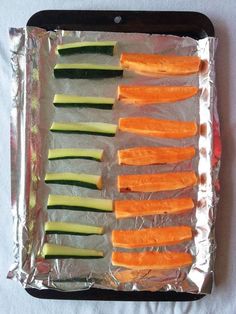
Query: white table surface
[13, 299]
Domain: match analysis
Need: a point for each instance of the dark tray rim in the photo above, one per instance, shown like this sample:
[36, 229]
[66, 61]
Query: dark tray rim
[112, 295]
[188, 23]
[182, 23]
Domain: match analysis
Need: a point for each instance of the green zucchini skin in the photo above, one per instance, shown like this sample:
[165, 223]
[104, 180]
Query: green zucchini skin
[107, 50]
[84, 105]
[86, 73]
[84, 132]
[73, 182]
[79, 208]
[71, 256]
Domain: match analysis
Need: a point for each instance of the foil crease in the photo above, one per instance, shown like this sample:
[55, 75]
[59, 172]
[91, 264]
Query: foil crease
[33, 87]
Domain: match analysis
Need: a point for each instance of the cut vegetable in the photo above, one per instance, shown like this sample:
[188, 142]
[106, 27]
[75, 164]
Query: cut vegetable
[158, 128]
[156, 182]
[151, 237]
[86, 71]
[154, 64]
[72, 153]
[79, 179]
[103, 47]
[79, 203]
[151, 260]
[67, 101]
[140, 156]
[95, 128]
[133, 208]
[51, 251]
[57, 227]
[147, 95]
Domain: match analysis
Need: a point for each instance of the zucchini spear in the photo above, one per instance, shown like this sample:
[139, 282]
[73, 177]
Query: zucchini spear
[57, 227]
[86, 71]
[73, 153]
[79, 203]
[67, 101]
[80, 179]
[103, 47]
[94, 128]
[54, 251]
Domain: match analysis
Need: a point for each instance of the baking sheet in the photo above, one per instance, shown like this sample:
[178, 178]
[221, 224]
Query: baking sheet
[33, 59]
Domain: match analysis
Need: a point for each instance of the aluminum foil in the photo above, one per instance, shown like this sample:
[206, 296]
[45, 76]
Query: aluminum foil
[33, 57]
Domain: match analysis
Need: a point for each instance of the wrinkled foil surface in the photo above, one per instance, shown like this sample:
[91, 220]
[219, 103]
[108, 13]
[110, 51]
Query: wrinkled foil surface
[33, 57]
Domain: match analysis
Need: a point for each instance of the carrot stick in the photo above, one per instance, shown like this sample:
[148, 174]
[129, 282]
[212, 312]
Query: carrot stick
[156, 182]
[151, 260]
[154, 64]
[158, 128]
[141, 156]
[147, 95]
[133, 208]
[151, 236]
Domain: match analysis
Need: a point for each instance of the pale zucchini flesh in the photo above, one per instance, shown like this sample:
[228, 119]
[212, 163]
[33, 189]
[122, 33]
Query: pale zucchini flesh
[54, 251]
[57, 227]
[86, 71]
[79, 179]
[61, 100]
[102, 47]
[73, 153]
[95, 128]
[79, 203]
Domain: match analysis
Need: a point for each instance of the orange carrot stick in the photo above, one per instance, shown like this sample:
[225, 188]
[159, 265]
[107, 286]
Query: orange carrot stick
[160, 236]
[151, 260]
[140, 156]
[133, 208]
[158, 128]
[147, 95]
[160, 64]
[156, 182]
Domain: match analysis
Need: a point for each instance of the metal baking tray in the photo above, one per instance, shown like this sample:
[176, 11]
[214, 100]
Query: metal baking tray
[192, 24]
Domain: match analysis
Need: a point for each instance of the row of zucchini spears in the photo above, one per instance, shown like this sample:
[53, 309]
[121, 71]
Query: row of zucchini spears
[80, 179]
[144, 64]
